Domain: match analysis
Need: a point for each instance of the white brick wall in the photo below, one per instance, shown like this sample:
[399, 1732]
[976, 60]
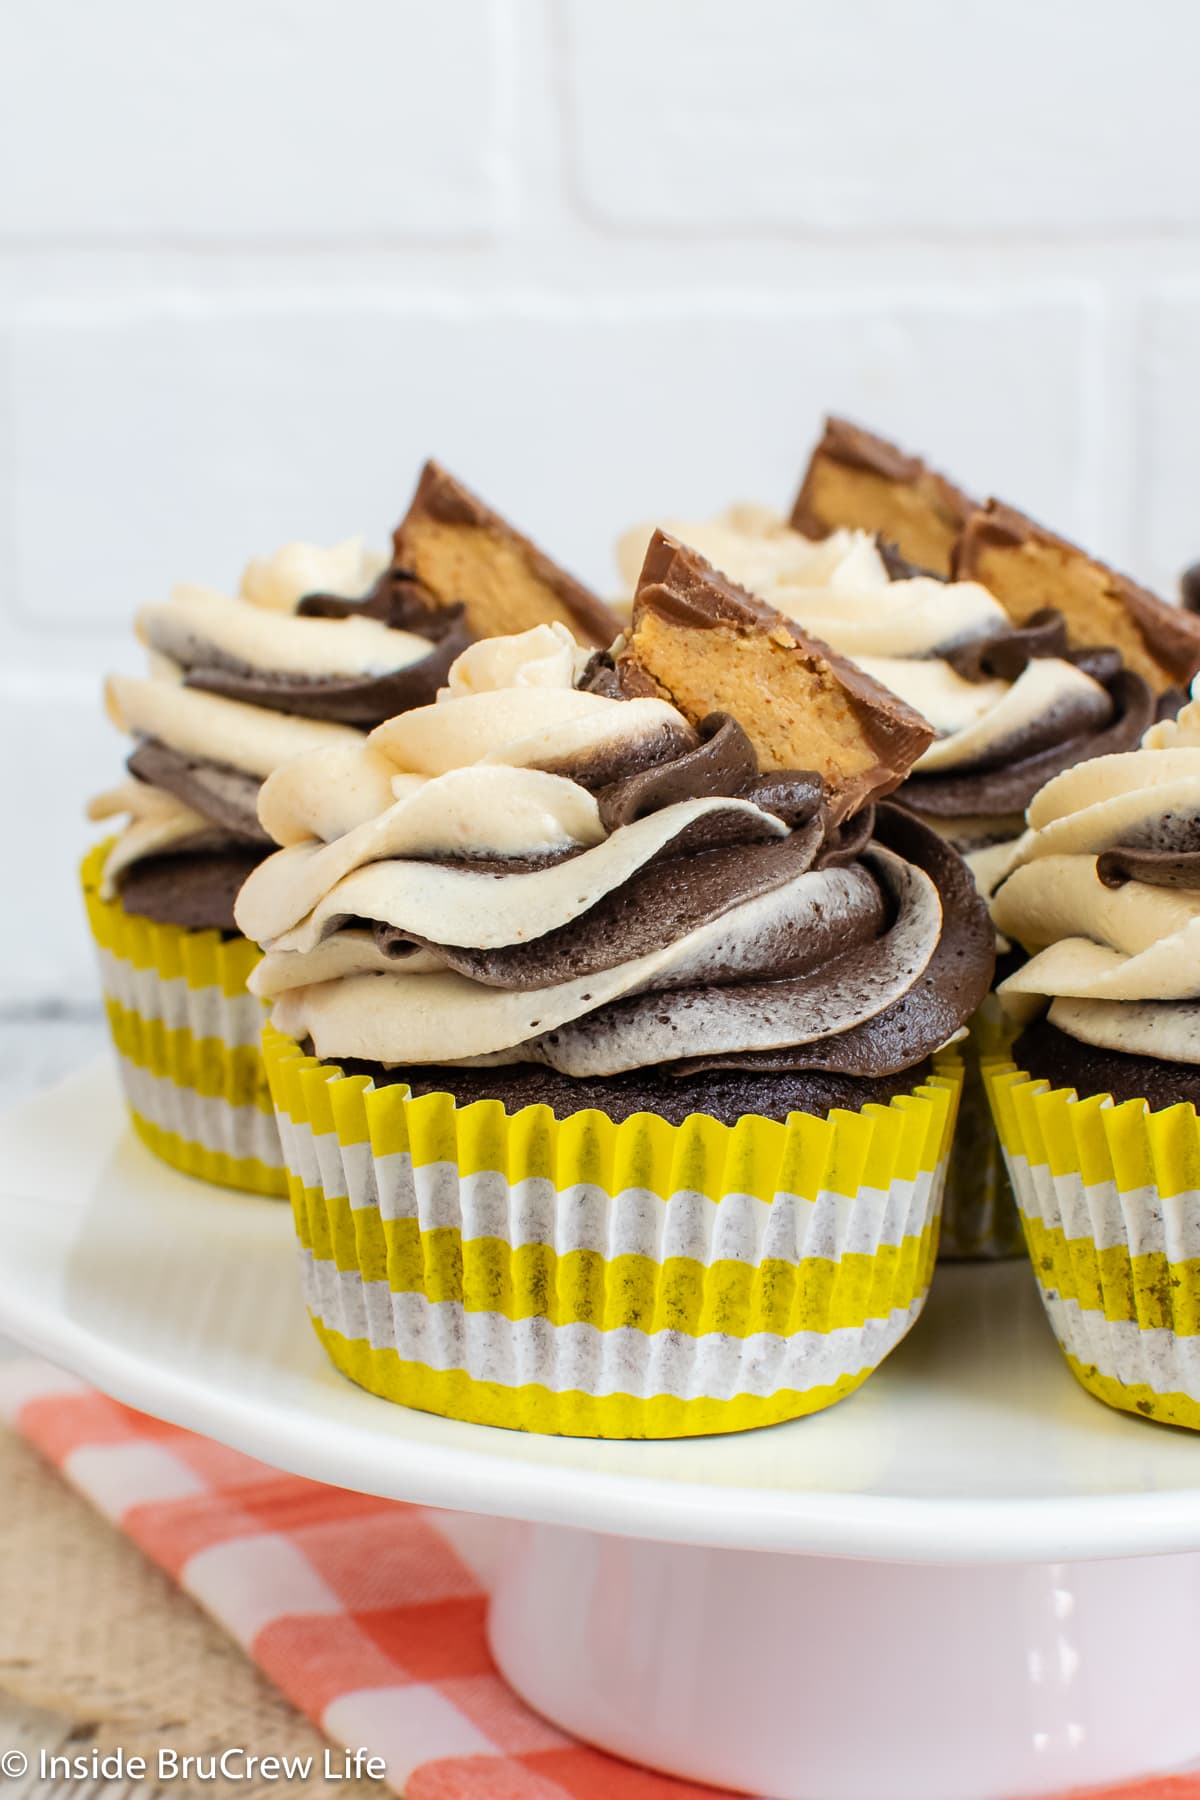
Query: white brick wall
[257, 260]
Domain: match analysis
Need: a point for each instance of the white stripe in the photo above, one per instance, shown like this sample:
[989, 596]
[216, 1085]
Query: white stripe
[211, 1121]
[1124, 1351]
[118, 1476]
[251, 1582]
[634, 1222]
[1139, 1220]
[489, 1347]
[235, 1019]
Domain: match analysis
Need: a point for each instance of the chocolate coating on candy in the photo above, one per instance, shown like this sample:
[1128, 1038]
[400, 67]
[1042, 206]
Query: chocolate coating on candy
[799, 702]
[425, 542]
[857, 479]
[1013, 556]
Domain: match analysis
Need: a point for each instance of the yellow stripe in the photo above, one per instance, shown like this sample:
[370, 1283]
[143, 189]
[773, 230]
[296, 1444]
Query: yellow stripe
[486, 1275]
[757, 1156]
[246, 1173]
[202, 958]
[1136, 1397]
[1126, 1144]
[457, 1395]
[205, 1066]
[1146, 1290]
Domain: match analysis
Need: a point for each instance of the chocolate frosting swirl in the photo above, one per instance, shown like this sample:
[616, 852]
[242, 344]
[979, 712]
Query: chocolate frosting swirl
[362, 700]
[226, 797]
[722, 763]
[1154, 868]
[749, 932]
[246, 683]
[952, 986]
[396, 600]
[1104, 896]
[1005, 785]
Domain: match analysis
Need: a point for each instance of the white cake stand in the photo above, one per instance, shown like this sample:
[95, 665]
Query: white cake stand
[968, 1581]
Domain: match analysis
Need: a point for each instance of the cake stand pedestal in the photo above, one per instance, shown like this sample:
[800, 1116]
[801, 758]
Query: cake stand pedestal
[969, 1581]
[819, 1678]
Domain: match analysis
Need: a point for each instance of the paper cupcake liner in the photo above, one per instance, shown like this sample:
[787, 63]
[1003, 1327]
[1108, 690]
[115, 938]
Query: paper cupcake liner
[1110, 1204]
[980, 1221]
[187, 1037]
[593, 1279]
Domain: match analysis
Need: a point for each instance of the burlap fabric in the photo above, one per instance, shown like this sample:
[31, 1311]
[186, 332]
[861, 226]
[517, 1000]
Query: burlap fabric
[93, 1632]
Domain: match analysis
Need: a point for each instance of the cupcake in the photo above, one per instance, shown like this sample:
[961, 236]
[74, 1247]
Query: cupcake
[1096, 1108]
[989, 633]
[319, 646]
[609, 1033]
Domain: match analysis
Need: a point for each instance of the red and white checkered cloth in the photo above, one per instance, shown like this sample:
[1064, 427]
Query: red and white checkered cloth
[366, 1613]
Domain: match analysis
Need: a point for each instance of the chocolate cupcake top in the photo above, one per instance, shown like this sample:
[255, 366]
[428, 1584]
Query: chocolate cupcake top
[1105, 898]
[316, 643]
[541, 868]
[1010, 706]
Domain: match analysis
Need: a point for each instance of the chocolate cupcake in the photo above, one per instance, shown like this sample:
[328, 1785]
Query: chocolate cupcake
[1096, 1107]
[609, 1035]
[1012, 690]
[318, 647]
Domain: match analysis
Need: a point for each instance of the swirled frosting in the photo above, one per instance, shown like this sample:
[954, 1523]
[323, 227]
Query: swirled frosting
[1105, 897]
[532, 872]
[318, 645]
[1010, 706]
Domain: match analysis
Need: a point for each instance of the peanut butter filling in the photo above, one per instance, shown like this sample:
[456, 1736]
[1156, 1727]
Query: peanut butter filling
[858, 479]
[1027, 568]
[708, 647]
[855, 479]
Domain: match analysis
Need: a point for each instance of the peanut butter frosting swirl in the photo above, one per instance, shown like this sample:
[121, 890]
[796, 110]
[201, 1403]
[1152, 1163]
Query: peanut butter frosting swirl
[1010, 706]
[318, 645]
[1105, 897]
[531, 871]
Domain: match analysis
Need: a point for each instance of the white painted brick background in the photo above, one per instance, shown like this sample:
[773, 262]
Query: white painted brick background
[602, 256]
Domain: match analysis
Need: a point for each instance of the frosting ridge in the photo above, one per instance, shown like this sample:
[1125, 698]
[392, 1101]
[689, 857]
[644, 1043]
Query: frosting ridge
[586, 881]
[1105, 897]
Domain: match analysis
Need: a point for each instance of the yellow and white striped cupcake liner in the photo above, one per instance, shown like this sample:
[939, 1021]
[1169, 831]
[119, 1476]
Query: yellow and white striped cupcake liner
[592, 1279]
[188, 1041]
[1110, 1203]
